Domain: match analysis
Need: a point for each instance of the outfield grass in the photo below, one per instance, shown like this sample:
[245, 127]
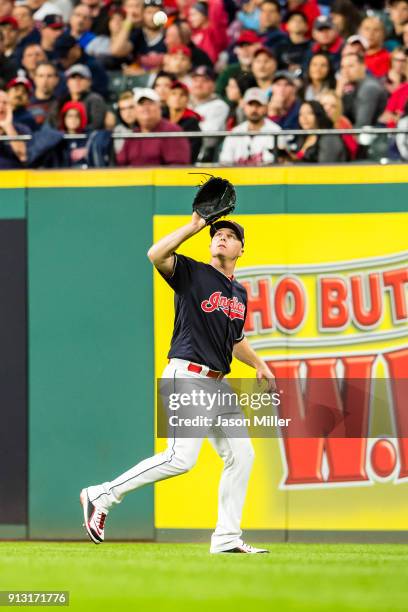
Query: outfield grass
[181, 577]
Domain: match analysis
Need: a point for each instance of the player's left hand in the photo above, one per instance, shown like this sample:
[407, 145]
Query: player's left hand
[264, 373]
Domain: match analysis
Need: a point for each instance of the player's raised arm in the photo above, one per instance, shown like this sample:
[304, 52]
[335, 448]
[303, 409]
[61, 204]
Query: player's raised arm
[161, 254]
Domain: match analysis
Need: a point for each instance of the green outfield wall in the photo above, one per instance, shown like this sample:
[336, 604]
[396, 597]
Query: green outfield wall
[90, 361]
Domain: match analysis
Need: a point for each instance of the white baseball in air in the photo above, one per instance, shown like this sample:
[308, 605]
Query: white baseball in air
[159, 18]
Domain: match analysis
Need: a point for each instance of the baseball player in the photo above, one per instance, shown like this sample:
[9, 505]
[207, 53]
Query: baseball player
[208, 332]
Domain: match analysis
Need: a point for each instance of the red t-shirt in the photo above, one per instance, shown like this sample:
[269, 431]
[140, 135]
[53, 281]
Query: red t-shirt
[378, 63]
[397, 102]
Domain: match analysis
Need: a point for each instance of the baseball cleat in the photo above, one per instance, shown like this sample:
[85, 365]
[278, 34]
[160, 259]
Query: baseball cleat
[94, 518]
[246, 549]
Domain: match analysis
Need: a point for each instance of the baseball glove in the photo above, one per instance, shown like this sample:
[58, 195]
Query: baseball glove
[215, 199]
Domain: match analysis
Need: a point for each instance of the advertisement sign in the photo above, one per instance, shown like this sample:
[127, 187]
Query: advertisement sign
[327, 300]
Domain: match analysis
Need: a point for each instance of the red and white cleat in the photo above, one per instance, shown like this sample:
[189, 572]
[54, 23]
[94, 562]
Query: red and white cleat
[94, 518]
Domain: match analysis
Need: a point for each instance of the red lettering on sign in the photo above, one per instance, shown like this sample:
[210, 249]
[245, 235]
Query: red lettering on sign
[366, 317]
[396, 279]
[289, 288]
[334, 309]
[260, 303]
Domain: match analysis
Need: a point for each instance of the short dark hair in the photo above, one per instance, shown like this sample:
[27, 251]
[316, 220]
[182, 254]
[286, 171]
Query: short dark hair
[166, 75]
[275, 3]
[32, 44]
[296, 14]
[46, 63]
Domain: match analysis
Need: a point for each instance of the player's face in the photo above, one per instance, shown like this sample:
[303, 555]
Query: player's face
[226, 244]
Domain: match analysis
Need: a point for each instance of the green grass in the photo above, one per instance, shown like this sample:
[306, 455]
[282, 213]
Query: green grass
[185, 577]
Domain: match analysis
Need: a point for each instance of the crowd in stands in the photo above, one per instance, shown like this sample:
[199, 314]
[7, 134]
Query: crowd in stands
[79, 76]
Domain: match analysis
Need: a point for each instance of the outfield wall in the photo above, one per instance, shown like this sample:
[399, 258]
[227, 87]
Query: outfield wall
[94, 346]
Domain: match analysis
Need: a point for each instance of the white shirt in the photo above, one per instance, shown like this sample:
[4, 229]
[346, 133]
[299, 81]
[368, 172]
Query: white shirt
[249, 149]
[214, 113]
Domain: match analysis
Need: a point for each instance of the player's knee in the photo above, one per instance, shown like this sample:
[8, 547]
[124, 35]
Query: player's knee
[242, 458]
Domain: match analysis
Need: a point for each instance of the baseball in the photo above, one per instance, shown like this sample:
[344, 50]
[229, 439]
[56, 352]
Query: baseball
[159, 18]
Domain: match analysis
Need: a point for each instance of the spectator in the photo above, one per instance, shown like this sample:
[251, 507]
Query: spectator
[326, 38]
[269, 24]
[79, 81]
[251, 150]
[74, 121]
[162, 85]
[236, 88]
[363, 96]
[68, 53]
[180, 65]
[244, 49]
[398, 11]
[145, 44]
[51, 28]
[319, 76]
[134, 13]
[6, 8]
[395, 106]
[283, 107]
[397, 74]
[377, 58]
[210, 107]
[100, 46]
[42, 8]
[8, 66]
[346, 17]
[43, 103]
[209, 24]
[113, 24]
[179, 33]
[27, 32]
[9, 29]
[402, 139]
[80, 24]
[13, 154]
[293, 52]
[181, 115]
[248, 16]
[18, 91]
[322, 149]
[264, 67]
[127, 118]
[153, 151]
[355, 44]
[99, 14]
[32, 56]
[308, 8]
[334, 110]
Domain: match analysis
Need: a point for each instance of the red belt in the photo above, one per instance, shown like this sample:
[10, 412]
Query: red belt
[193, 367]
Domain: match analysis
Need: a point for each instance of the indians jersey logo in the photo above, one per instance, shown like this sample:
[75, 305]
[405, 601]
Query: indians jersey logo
[231, 307]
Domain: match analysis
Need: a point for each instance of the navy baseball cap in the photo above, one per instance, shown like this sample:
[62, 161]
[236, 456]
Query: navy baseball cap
[236, 227]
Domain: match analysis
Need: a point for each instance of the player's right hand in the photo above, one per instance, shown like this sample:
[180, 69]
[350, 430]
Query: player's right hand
[197, 222]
